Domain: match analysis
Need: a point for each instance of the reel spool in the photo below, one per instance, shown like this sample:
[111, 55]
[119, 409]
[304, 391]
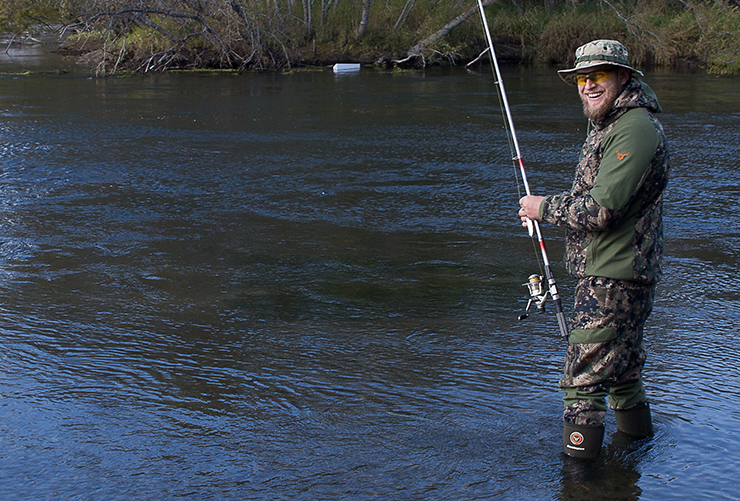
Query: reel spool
[537, 294]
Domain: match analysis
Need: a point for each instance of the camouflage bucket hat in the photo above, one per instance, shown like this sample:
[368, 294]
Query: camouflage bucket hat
[597, 53]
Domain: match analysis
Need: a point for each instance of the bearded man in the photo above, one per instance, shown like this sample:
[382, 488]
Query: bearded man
[614, 245]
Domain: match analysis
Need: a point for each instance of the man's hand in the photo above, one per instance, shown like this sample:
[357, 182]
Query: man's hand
[530, 208]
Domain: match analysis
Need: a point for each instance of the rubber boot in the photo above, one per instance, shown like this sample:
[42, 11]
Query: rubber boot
[635, 421]
[582, 441]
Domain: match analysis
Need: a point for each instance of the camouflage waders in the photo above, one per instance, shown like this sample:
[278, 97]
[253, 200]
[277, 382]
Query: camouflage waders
[605, 355]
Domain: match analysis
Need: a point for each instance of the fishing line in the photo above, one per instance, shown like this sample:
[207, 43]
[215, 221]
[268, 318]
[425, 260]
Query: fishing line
[514, 162]
[515, 165]
[537, 291]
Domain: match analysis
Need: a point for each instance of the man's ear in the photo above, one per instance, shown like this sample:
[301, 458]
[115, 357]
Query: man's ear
[624, 76]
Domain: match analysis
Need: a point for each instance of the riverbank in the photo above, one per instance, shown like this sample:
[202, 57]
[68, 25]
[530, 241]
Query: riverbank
[407, 33]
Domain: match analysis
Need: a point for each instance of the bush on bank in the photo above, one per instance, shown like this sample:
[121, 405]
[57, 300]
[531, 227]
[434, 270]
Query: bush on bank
[159, 35]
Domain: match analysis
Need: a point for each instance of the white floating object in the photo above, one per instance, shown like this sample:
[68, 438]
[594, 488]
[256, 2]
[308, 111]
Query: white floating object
[346, 67]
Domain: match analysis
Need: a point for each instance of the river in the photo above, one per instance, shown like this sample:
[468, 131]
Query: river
[306, 286]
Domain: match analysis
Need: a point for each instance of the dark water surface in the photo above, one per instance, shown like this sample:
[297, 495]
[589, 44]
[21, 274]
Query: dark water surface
[306, 287]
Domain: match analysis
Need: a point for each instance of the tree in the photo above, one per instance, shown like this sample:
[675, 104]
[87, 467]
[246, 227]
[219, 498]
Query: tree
[364, 18]
[17, 16]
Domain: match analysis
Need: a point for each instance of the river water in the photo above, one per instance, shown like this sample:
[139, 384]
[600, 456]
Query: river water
[306, 286]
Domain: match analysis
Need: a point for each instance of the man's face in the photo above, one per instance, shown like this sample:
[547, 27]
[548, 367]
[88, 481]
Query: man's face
[601, 87]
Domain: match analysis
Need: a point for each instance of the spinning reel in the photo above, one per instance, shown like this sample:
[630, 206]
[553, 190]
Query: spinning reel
[537, 293]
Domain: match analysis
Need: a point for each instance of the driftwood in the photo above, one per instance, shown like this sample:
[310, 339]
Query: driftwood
[417, 50]
[503, 52]
[471, 63]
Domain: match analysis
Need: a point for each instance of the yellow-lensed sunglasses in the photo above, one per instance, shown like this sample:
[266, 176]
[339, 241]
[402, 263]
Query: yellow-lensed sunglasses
[596, 77]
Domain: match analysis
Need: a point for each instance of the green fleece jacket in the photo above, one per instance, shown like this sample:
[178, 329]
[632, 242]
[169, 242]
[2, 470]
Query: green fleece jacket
[613, 212]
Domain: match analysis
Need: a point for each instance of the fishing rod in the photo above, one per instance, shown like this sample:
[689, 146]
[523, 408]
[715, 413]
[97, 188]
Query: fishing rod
[538, 294]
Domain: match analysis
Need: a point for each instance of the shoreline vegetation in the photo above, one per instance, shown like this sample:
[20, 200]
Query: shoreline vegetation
[140, 36]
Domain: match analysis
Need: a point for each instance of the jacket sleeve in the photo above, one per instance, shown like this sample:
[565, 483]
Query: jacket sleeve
[627, 151]
[579, 212]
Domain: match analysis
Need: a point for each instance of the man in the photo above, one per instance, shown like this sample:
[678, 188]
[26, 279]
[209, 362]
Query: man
[614, 245]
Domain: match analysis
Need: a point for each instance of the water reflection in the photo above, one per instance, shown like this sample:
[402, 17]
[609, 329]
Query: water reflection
[304, 287]
[33, 55]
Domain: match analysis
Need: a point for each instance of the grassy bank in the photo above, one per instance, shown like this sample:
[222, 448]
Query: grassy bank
[282, 34]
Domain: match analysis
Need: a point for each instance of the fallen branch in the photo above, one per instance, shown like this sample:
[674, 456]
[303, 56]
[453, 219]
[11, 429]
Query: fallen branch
[7, 49]
[471, 63]
[416, 50]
